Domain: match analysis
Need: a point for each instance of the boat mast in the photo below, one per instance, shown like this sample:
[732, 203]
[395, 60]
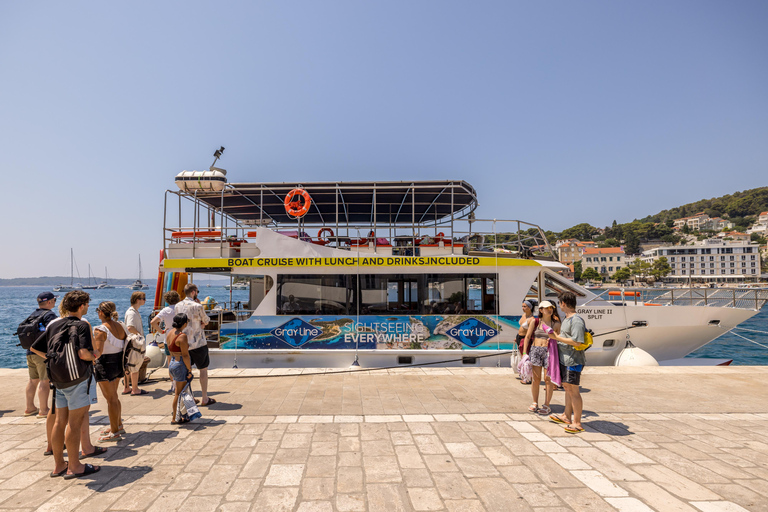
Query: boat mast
[71, 268]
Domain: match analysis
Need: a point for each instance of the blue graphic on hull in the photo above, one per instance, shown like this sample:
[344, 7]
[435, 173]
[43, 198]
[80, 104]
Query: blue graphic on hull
[372, 332]
[296, 332]
[472, 332]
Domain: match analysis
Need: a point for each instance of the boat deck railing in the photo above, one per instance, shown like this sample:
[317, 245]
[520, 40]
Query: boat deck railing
[200, 231]
[720, 297]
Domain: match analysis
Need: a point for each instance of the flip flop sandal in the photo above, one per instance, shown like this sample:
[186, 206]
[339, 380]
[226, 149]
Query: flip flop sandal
[210, 401]
[544, 410]
[557, 419]
[573, 430]
[89, 470]
[60, 473]
[98, 451]
[33, 413]
[48, 453]
[142, 392]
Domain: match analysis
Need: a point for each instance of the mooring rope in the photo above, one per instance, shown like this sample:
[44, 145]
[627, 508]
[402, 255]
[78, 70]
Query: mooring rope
[742, 337]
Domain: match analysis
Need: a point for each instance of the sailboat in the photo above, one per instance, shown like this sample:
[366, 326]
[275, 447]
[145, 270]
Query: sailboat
[89, 286]
[105, 283]
[72, 286]
[138, 284]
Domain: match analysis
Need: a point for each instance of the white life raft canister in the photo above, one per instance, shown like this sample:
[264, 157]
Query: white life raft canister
[209, 181]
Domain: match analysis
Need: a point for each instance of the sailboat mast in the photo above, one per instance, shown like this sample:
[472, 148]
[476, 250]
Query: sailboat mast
[71, 267]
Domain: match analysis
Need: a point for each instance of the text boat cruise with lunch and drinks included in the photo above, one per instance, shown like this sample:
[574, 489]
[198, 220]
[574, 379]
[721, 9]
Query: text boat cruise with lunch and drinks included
[396, 273]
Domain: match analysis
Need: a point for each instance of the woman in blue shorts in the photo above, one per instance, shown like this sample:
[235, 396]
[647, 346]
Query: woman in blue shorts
[181, 364]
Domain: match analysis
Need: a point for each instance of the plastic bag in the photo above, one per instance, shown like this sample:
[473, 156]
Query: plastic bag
[525, 368]
[515, 360]
[187, 410]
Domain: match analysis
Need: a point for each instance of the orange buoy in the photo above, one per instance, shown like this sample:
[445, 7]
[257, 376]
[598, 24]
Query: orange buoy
[322, 231]
[294, 208]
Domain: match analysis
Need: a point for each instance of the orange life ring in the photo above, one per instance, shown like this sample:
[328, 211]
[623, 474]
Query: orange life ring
[295, 208]
[324, 230]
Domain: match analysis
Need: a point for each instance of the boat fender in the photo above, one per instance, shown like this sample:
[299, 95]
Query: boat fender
[633, 356]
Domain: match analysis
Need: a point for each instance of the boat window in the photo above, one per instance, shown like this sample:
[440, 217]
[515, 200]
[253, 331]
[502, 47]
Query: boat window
[316, 294]
[554, 287]
[389, 293]
[457, 294]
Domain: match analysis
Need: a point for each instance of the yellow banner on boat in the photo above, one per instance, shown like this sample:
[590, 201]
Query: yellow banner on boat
[365, 261]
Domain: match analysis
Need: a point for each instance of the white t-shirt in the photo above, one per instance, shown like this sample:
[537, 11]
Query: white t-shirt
[197, 320]
[133, 319]
[166, 316]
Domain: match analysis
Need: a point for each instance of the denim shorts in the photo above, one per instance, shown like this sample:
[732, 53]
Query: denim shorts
[178, 370]
[78, 396]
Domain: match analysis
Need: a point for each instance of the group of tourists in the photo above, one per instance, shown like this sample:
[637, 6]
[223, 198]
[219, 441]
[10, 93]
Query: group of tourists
[66, 354]
[552, 344]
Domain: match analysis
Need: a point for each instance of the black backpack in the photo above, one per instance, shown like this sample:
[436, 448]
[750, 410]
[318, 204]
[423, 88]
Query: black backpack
[30, 329]
[65, 368]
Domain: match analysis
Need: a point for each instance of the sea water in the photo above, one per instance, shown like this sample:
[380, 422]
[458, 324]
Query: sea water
[18, 302]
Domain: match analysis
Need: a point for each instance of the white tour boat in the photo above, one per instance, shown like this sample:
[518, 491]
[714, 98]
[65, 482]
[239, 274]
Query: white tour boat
[399, 273]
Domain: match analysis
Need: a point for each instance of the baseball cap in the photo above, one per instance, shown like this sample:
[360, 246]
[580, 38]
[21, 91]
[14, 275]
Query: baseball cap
[46, 296]
[546, 304]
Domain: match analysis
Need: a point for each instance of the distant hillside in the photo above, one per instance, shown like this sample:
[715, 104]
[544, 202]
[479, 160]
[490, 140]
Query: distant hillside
[55, 280]
[737, 207]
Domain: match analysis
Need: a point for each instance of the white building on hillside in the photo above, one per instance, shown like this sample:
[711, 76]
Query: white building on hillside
[710, 260]
[761, 226]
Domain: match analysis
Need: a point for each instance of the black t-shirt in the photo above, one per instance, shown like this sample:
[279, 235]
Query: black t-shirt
[48, 317]
[83, 334]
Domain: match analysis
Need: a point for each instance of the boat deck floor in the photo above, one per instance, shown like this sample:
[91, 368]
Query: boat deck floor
[663, 438]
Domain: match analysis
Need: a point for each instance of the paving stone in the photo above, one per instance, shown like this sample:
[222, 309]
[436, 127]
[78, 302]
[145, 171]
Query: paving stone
[629, 505]
[418, 478]
[675, 483]
[385, 498]
[453, 486]
[538, 495]
[425, 498]
[599, 483]
[718, 506]
[349, 480]
[497, 494]
[408, 457]
[315, 506]
[584, 500]
[317, 489]
[464, 506]
[350, 503]
[381, 469]
[276, 499]
[284, 475]
[656, 497]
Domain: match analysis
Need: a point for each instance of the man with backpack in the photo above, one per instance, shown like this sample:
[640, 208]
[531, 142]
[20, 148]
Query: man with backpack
[572, 363]
[68, 350]
[28, 331]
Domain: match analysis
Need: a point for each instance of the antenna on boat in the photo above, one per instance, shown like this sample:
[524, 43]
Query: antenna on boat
[217, 155]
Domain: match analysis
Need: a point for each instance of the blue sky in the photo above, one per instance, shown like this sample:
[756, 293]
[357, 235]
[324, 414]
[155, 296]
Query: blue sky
[557, 112]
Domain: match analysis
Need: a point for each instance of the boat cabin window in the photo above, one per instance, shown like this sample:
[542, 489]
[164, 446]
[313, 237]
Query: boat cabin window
[388, 294]
[316, 295]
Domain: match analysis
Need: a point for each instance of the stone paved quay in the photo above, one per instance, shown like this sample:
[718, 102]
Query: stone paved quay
[677, 439]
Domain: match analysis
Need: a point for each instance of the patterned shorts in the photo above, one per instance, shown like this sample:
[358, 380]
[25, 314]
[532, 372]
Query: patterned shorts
[539, 356]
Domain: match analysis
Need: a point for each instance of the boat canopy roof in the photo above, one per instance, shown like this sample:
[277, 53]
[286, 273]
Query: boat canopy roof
[362, 202]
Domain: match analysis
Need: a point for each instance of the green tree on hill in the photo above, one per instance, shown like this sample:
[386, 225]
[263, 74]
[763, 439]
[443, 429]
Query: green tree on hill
[622, 275]
[591, 274]
[660, 268]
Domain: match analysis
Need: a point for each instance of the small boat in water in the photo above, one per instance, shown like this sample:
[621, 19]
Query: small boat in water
[72, 285]
[104, 285]
[236, 286]
[139, 284]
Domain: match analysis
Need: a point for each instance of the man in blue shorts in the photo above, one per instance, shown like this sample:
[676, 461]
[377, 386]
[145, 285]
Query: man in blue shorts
[571, 363]
[73, 399]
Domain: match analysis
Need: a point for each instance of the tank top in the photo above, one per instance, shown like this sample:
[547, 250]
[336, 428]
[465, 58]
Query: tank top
[113, 344]
[172, 346]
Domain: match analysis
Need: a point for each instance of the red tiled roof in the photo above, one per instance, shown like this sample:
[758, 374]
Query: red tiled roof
[605, 250]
